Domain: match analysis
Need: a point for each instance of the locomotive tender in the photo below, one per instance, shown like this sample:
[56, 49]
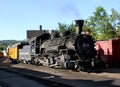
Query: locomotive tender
[62, 50]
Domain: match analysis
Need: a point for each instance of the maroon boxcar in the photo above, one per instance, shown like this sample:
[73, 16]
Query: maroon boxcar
[109, 50]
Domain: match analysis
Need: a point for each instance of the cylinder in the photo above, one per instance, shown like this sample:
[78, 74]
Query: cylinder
[78, 25]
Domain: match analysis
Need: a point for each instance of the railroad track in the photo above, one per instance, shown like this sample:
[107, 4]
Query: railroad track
[34, 76]
[3, 84]
[63, 78]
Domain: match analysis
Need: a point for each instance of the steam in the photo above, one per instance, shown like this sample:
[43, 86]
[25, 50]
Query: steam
[70, 10]
[97, 0]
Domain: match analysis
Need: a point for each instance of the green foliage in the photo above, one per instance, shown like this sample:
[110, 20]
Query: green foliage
[5, 43]
[68, 27]
[1, 48]
[102, 25]
[62, 27]
[71, 28]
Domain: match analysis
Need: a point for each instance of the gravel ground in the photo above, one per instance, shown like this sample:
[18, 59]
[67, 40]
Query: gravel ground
[109, 78]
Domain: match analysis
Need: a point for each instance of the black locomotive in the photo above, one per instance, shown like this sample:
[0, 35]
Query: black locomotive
[61, 50]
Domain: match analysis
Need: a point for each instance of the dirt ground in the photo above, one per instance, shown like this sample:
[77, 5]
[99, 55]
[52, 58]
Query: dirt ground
[109, 72]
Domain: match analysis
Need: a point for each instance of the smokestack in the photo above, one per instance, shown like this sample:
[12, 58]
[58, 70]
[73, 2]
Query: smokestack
[78, 25]
[40, 27]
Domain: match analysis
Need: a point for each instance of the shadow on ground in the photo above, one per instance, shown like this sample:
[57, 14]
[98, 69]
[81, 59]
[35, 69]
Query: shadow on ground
[59, 79]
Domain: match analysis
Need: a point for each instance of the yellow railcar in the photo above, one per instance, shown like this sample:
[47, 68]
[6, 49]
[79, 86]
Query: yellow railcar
[12, 52]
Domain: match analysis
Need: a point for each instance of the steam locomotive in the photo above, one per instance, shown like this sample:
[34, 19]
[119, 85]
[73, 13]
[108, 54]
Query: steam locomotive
[62, 50]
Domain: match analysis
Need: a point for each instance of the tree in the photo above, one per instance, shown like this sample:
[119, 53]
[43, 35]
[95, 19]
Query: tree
[1, 48]
[71, 28]
[68, 27]
[100, 24]
[115, 20]
[62, 27]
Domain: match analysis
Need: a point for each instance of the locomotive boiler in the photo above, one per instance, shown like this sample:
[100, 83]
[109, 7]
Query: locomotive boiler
[64, 50]
[61, 50]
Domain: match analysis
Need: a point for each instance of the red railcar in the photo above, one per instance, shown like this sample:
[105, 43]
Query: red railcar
[109, 50]
[1, 55]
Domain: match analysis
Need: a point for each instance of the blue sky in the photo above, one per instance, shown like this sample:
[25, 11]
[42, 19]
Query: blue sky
[17, 16]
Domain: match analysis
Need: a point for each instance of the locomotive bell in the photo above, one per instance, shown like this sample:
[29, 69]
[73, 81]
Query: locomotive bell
[78, 25]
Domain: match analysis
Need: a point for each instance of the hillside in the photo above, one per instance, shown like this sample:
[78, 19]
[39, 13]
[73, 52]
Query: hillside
[5, 43]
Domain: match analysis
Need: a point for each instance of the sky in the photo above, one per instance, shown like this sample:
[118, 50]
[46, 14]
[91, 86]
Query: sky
[17, 16]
